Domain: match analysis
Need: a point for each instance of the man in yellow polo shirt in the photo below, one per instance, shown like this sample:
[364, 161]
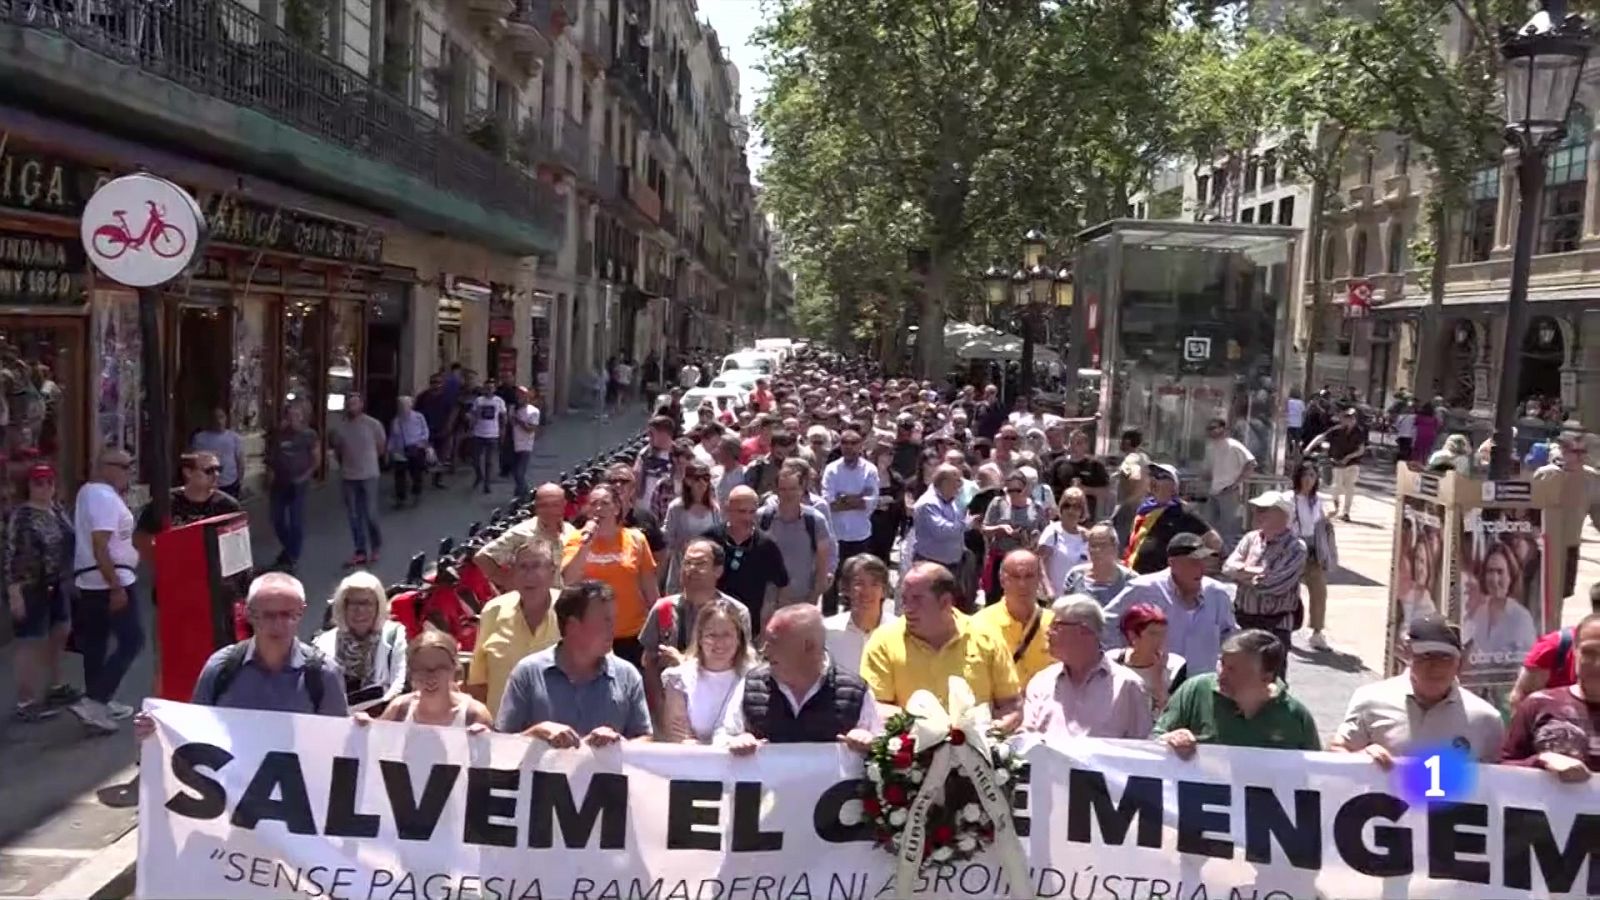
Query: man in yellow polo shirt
[931, 642]
[515, 624]
[1018, 618]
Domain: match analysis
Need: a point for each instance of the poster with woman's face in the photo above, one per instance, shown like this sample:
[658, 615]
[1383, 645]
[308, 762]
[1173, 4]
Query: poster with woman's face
[1500, 605]
[1419, 573]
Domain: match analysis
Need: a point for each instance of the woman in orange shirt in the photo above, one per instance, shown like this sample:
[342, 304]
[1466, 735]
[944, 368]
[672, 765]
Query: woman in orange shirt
[606, 551]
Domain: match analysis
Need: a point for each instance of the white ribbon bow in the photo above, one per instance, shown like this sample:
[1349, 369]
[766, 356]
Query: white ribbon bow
[934, 723]
[973, 757]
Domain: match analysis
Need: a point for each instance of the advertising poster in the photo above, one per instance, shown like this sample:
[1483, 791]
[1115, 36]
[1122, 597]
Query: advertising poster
[1501, 606]
[1419, 573]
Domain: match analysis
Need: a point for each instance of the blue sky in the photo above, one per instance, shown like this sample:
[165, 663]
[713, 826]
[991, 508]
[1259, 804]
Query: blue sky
[736, 22]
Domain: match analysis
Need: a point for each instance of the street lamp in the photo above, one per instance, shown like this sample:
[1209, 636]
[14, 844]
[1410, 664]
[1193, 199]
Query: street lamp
[1030, 288]
[1544, 62]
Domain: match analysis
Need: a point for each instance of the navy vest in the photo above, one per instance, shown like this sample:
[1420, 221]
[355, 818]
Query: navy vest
[833, 710]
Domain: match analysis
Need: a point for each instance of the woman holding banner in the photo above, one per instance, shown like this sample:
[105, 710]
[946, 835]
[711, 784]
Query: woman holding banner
[432, 664]
[698, 692]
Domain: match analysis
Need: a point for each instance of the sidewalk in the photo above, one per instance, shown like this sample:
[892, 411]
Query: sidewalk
[65, 797]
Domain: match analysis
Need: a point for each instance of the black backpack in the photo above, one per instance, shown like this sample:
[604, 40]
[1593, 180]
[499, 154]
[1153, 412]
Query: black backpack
[310, 674]
[771, 515]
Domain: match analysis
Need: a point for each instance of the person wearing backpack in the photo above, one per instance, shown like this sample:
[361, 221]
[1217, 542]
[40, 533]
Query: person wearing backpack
[801, 534]
[1552, 661]
[273, 671]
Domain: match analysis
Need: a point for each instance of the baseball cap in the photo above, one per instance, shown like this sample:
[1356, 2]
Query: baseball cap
[1273, 500]
[1430, 633]
[1188, 546]
[1163, 472]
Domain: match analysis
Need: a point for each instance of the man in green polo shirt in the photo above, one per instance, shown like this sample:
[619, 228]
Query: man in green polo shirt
[1242, 704]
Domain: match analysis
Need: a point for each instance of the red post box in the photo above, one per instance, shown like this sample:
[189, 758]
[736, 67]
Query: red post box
[200, 569]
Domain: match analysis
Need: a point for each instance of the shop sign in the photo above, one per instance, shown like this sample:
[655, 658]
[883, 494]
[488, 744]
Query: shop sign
[35, 269]
[36, 183]
[245, 223]
[141, 231]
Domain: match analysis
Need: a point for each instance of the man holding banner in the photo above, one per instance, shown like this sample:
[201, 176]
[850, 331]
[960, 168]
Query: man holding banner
[1422, 708]
[1242, 704]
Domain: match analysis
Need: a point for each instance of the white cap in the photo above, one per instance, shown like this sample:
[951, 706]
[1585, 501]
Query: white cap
[1273, 500]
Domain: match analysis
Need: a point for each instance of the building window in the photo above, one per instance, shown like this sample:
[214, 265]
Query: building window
[1358, 256]
[1264, 214]
[1247, 215]
[1477, 225]
[1565, 169]
[1251, 167]
[1397, 247]
[1286, 211]
[1269, 170]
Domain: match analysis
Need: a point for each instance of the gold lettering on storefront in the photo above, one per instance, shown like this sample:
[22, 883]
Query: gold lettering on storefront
[32, 184]
[22, 251]
[238, 223]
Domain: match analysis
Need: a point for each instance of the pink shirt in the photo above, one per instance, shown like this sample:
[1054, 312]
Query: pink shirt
[1112, 702]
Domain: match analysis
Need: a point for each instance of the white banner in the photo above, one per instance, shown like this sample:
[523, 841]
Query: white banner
[263, 805]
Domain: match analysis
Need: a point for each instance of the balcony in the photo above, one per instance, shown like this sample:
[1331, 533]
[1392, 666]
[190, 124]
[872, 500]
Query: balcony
[530, 29]
[602, 173]
[629, 74]
[641, 195]
[490, 14]
[669, 221]
[219, 76]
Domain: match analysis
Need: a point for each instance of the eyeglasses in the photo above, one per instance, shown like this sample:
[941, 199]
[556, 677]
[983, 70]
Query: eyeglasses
[284, 615]
[212, 470]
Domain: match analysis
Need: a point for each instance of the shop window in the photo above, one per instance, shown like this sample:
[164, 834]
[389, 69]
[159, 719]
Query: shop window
[1565, 170]
[41, 395]
[249, 374]
[1247, 215]
[1477, 224]
[344, 352]
[303, 324]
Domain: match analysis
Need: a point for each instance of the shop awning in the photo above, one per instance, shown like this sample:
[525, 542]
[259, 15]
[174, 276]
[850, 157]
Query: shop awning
[1415, 302]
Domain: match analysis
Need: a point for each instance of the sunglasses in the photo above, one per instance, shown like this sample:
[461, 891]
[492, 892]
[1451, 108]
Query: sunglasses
[212, 470]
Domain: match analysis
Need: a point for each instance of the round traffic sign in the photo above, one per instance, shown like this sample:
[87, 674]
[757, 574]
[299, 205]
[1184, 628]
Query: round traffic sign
[141, 230]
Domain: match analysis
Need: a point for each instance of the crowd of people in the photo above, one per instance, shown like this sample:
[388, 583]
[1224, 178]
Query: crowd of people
[796, 575]
[848, 540]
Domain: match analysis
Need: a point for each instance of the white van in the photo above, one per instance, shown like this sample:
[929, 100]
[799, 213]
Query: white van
[760, 361]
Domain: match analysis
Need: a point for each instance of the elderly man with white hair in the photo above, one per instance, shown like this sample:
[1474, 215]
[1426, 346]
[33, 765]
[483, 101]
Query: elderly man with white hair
[1083, 693]
[274, 670]
[408, 449]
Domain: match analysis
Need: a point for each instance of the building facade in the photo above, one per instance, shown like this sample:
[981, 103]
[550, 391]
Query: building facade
[391, 188]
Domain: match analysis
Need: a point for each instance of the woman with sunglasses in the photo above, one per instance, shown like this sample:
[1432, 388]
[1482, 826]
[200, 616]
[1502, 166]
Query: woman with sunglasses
[1064, 543]
[691, 514]
[606, 550]
[698, 691]
[1013, 521]
[432, 663]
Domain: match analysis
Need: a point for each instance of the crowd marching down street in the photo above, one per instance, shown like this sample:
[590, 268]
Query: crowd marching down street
[794, 569]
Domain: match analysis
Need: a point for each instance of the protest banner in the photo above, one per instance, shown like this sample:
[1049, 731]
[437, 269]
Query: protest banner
[237, 804]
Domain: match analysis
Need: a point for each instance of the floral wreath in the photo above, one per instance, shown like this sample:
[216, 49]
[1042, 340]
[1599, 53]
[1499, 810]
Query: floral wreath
[955, 823]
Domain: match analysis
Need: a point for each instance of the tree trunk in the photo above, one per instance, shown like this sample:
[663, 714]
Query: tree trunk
[1426, 384]
[1319, 197]
[930, 321]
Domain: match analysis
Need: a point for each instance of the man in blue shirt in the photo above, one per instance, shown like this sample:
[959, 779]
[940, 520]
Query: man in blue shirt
[577, 692]
[274, 670]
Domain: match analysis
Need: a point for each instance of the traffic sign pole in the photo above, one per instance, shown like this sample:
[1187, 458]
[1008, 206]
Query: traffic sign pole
[158, 467]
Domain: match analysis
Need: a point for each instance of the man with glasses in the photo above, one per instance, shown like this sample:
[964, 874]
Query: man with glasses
[273, 670]
[547, 527]
[1006, 444]
[105, 568]
[198, 498]
[1580, 498]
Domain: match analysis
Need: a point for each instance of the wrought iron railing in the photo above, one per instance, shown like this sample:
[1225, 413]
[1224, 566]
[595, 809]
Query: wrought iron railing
[224, 50]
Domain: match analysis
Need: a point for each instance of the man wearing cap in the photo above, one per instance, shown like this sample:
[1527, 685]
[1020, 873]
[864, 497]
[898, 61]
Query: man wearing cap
[1239, 705]
[1147, 526]
[1347, 443]
[1580, 497]
[1082, 693]
[1423, 708]
[1198, 607]
[1266, 565]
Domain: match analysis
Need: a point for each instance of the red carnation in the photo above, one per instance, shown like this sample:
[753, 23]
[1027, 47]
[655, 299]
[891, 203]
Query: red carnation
[885, 836]
[943, 834]
[958, 737]
[872, 806]
[902, 760]
[894, 795]
[988, 832]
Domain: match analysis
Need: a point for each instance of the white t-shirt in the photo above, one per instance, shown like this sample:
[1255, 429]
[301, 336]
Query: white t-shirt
[526, 416]
[1228, 459]
[1066, 551]
[486, 413]
[100, 508]
[1296, 413]
[623, 373]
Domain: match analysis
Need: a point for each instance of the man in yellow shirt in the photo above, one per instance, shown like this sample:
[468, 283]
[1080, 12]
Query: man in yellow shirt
[1018, 619]
[931, 642]
[515, 624]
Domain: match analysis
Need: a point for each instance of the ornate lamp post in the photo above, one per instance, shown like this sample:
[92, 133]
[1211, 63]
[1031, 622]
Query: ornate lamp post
[1029, 289]
[1544, 63]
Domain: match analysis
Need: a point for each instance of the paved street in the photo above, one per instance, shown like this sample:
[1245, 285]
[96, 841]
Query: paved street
[63, 796]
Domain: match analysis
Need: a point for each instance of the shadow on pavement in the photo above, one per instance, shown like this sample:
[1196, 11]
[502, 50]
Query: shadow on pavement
[1329, 659]
[120, 796]
[1343, 577]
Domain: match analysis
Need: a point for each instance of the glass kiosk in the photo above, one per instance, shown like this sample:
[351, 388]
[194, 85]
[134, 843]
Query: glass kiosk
[1184, 322]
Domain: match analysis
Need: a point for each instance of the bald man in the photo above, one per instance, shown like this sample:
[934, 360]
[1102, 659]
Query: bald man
[1018, 618]
[547, 527]
[754, 571]
[799, 696]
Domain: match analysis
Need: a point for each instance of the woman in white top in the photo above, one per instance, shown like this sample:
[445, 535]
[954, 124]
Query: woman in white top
[369, 647]
[1064, 543]
[1311, 523]
[699, 691]
[433, 664]
[692, 513]
[1498, 623]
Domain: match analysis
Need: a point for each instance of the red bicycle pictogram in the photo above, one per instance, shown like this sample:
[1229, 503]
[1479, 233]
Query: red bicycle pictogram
[165, 239]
